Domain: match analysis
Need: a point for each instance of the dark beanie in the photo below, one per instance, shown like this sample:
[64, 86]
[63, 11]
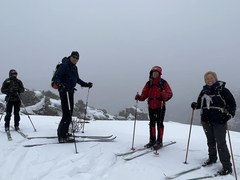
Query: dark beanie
[75, 53]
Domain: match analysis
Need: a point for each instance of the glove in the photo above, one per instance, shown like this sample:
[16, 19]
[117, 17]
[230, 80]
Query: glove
[90, 84]
[137, 97]
[231, 113]
[164, 96]
[194, 105]
[226, 117]
[61, 88]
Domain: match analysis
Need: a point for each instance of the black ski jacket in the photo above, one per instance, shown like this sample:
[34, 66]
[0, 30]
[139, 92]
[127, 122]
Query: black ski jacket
[12, 87]
[217, 103]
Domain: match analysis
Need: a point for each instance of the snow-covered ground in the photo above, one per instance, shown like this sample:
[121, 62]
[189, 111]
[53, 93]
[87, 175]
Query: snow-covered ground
[97, 161]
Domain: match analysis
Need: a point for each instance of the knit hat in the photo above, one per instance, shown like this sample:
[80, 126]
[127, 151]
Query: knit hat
[75, 53]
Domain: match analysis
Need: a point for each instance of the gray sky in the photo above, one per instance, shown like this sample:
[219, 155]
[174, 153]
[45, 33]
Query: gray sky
[119, 42]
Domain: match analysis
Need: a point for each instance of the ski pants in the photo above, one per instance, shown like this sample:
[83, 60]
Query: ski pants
[66, 113]
[156, 117]
[10, 105]
[216, 140]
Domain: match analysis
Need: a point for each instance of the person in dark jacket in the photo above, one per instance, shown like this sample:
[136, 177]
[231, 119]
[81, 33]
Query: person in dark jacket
[66, 79]
[217, 106]
[12, 87]
[158, 92]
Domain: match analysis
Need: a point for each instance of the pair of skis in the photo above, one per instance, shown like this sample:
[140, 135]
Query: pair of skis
[84, 139]
[130, 155]
[76, 136]
[174, 176]
[9, 137]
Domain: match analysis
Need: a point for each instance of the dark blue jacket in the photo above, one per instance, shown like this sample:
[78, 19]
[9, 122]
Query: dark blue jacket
[67, 76]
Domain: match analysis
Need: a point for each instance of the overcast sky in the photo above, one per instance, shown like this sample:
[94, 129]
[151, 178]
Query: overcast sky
[119, 42]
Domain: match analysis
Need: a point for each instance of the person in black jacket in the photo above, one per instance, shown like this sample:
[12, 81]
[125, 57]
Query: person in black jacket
[217, 106]
[12, 87]
[66, 79]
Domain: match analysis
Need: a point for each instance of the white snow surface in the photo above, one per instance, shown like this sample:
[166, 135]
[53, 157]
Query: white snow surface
[97, 160]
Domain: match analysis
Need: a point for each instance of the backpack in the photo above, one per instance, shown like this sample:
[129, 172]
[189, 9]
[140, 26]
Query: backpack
[53, 84]
[159, 85]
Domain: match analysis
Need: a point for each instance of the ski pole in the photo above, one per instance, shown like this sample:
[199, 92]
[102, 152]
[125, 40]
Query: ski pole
[3, 112]
[230, 144]
[134, 126]
[26, 112]
[4, 108]
[70, 112]
[185, 162]
[85, 111]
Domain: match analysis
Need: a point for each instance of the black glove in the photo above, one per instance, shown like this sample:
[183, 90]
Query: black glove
[61, 88]
[229, 116]
[137, 97]
[90, 84]
[232, 113]
[194, 105]
[226, 117]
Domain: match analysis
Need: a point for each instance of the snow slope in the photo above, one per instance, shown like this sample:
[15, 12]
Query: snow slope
[97, 161]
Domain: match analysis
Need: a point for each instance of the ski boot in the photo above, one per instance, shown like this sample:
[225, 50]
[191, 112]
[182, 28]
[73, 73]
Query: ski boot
[209, 162]
[157, 145]
[150, 144]
[65, 140]
[224, 172]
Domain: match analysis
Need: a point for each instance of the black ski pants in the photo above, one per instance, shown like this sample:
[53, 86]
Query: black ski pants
[10, 105]
[156, 117]
[66, 113]
[216, 141]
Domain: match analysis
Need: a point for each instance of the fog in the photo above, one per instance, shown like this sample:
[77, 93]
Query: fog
[119, 42]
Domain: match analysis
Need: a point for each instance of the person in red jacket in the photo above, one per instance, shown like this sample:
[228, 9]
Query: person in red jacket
[158, 91]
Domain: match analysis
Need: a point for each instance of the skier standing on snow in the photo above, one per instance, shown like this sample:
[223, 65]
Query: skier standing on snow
[217, 106]
[158, 91]
[66, 79]
[12, 87]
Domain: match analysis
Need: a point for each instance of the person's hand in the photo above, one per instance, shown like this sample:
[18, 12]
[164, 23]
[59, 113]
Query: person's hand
[90, 84]
[194, 105]
[226, 117]
[137, 97]
[229, 116]
[61, 88]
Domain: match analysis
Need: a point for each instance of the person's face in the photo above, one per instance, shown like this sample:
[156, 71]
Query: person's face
[74, 59]
[155, 74]
[13, 75]
[210, 80]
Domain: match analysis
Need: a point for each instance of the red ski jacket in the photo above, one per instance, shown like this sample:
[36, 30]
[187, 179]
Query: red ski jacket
[157, 91]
